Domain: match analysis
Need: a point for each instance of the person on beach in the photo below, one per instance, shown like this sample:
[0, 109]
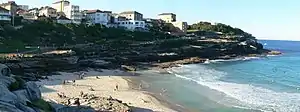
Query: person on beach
[64, 82]
[82, 75]
[163, 91]
[140, 86]
[117, 87]
[77, 102]
[81, 93]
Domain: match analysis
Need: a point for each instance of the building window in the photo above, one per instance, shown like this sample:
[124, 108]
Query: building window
[136, 22]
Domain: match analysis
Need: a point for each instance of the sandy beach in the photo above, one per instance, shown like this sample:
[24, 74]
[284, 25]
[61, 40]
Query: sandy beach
[103, 84]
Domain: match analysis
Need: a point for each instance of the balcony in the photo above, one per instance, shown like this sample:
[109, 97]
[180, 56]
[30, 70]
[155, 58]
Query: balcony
[4, 14]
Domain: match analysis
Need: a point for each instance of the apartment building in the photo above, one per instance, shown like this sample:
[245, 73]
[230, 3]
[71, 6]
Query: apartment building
[71, 11]
[47, 11]
[132, 24]
[98, 17]
[132, 15]
[11, 6]
[167, 17]
[4, 15]
[179, 26]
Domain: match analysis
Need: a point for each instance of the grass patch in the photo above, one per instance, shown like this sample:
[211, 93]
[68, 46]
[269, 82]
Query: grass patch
[41, 104]
[18, 84]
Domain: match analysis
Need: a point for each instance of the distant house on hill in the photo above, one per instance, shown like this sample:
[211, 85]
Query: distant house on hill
[4, 15]
[98, 17]
[63, 20]
[11, 6]
[132, 15]
[47, 11]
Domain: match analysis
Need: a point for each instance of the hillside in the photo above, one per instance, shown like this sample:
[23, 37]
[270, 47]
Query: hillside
[118, 46]
[219, 27]
[52, 34]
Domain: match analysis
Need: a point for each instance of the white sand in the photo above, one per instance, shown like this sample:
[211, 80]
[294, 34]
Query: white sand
[104, 87]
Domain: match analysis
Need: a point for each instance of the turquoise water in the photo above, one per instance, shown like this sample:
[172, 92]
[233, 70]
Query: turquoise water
[243, 85]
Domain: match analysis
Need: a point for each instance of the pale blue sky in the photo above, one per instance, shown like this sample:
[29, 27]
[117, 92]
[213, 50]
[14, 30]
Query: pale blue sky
[268, 19]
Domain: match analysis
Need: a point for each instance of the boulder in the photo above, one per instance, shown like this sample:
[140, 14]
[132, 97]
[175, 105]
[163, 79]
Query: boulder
[4, 70]
[7, 96]
[33, 91]
[25, 108]
[63, 108]
[22, 96]
[6, 81]
[7, 107]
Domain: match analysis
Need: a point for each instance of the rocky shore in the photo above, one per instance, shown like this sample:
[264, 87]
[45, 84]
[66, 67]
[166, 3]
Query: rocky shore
[98, 90]
[102, 91]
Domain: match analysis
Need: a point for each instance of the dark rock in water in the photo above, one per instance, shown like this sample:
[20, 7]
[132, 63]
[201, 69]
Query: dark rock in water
[274, 53]
[33, 91]
[128, 68]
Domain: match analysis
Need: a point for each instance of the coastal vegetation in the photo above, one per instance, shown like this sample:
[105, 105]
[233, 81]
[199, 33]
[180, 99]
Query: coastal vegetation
[218, 27]
[47, 33]
[41, 104]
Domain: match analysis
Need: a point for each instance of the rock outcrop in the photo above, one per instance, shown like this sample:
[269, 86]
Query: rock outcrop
[89, 102]
[16, 101]
[19, 96]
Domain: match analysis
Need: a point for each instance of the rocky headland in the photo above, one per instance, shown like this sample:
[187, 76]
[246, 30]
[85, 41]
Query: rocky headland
[73, 48]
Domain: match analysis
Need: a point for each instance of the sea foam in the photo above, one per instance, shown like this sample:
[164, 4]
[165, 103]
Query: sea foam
[249, 96]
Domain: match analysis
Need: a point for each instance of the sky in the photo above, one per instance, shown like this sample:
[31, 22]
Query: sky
[265, 19]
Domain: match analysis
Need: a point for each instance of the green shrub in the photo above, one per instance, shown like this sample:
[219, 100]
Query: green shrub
[41, 104]
[18, 84]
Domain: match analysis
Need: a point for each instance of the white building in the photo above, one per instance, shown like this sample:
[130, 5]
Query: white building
[71, 11]
[4, 15]
[132, 24]
[47, 11]
[34, 11]
[24, 7]
[98, 17]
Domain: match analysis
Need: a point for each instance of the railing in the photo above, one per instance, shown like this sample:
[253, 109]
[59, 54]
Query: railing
[4, 14]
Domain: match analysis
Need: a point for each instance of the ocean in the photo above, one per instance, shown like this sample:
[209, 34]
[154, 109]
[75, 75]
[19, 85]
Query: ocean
[269, 84]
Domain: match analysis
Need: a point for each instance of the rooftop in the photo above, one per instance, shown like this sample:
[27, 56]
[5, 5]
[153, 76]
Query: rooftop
[9, 3]
[3, 9]
[33, 9]
[97, 10]
[47, 7]
[63, 18]
[166, 14]
[130, 12]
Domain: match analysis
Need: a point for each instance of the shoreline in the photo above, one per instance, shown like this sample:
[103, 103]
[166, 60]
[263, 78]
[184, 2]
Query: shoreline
[134, 82]
[103, 86]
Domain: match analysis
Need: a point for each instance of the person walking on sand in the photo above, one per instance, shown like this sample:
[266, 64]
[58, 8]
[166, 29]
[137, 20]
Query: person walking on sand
[140, 86]
[117, 87]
